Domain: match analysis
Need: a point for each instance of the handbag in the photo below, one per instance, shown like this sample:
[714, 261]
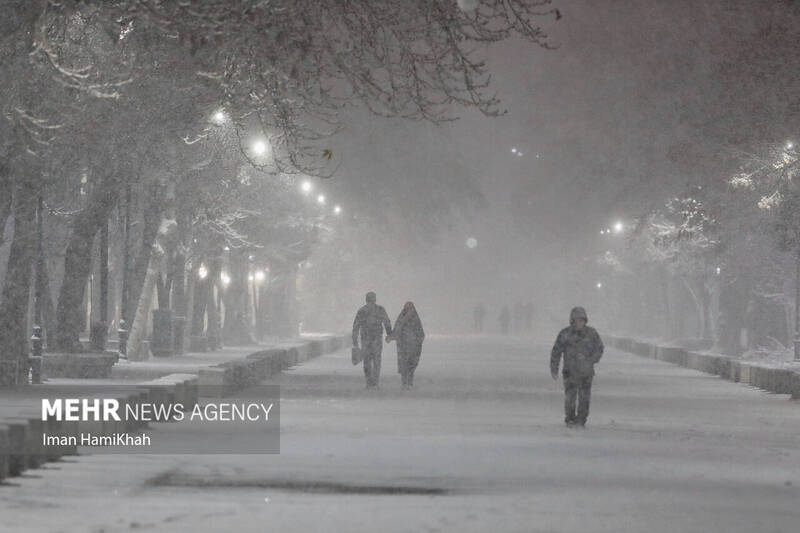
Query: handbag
[355, 355]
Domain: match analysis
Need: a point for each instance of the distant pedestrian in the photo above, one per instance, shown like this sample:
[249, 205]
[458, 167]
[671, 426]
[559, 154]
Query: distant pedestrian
[370, 322]
[478, 314]
[505, 320]
[409, 335]
[582, 349]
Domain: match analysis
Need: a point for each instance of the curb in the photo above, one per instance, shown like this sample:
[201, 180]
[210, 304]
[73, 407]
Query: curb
[775, 380]
[21, 435]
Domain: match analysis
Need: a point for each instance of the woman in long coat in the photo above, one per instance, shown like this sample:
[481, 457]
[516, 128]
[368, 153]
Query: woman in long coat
[409, 335]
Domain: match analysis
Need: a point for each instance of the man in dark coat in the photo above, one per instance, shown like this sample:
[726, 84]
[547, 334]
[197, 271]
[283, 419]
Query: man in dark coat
[370, 322]
[582, 349]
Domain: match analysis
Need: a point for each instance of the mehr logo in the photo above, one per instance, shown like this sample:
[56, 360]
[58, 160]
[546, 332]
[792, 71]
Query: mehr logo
[107, 409]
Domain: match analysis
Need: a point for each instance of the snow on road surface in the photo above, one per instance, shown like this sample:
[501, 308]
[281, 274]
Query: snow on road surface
[479, 445]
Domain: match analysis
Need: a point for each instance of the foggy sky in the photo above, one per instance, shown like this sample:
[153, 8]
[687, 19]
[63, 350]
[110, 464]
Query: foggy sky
[616, 114]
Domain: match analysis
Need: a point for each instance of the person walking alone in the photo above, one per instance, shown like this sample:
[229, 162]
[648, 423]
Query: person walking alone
[581, 348]
[409, 335]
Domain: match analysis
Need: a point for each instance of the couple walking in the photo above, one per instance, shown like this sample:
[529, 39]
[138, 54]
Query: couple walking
[370, 323]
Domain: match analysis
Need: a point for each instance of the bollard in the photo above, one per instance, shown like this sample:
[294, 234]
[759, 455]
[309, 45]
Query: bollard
[36, 359]
[122, 334]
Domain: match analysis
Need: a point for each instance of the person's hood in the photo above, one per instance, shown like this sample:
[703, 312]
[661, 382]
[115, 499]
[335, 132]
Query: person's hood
[576, 313]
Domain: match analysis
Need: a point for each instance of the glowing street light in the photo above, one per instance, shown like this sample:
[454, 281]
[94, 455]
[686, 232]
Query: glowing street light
[219, 117]
[260, 275]
[225, 278]
[789, 145]
[337, 210]
[306, 187]
[472, 242]
[618, 227]
[513, 150]
[321, 199]
[202, 272]
[260, 147]
[599, 285]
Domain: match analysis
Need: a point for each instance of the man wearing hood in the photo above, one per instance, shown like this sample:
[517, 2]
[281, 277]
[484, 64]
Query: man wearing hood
[582, 349]
[370, 322]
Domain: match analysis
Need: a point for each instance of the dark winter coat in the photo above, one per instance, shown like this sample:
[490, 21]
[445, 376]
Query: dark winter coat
[581, 348]
[370, 322]
[408, 331]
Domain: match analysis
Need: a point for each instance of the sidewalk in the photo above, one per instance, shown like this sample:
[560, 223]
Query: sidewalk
[179, 379]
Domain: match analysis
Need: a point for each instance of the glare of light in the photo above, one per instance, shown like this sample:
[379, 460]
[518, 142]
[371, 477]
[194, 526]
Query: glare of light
[260, 275]
[513, 150]
[306, 187]
[224, 278]
[321, 199]
[260, 147]
[251, 257]
[618, 227]
[599, 285]
[537, 156]
[337, 209]
[602, 232]
[718, 270]
[227, 249]
[250, 277]
[202, 272]
[472, 242]
[519, 154]
[219, 118]
[789, 145]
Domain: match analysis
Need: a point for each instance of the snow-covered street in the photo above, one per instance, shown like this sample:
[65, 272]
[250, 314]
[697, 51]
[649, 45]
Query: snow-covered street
[478, 445]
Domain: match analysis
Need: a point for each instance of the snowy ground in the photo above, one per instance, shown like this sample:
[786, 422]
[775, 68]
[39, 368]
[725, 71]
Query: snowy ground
[478, 446]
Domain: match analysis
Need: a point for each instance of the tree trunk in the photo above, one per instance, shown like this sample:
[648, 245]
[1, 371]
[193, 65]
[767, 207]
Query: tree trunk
[77, 266]
[154, 208]
[6, 194]
[16, 288]
[143, 307]
[145, 301]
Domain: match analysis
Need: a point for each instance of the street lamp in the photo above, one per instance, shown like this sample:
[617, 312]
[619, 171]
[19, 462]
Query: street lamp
[225, 278]
[306, 187]
[260, 147]
[789, 145]
[219, 117]
[202, 272]
[472, 242]
[321, 199]
[337, 210]
[260, 275]
[618, 227]
[599, 285]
